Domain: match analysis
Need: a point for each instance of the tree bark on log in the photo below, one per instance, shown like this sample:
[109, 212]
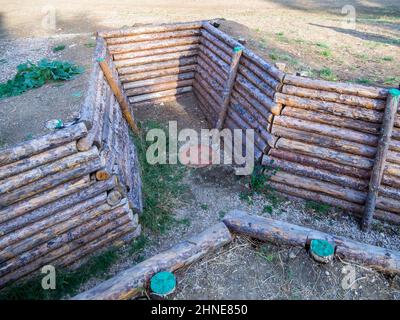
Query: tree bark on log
[161, 94]
[203, 66]
[132, 78]
[279, 232]
[159, 80]
[127, 284]
[44, 143]
[147, 53]
[259, 83]
[216, 70]
[204, 103]
[217, 42]
[380, 159]
[226, 57]
[216, 83]
[159, 87]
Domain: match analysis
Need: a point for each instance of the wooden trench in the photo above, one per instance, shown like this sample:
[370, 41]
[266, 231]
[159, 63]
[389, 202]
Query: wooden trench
[68, 194]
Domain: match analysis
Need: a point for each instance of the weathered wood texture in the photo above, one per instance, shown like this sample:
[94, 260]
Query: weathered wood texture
[283, 233]
[128, 284]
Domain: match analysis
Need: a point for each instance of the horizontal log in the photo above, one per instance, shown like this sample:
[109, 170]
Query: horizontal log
[342, 88]
[267, 102]
[174, 97]
[159, 87]
[204, 60]
[315, 185]
[217, 96]
[264, 76]
[386, 216]
[396, 133]
[389, 192]
[270, 69]
[153, 59]
[153, 52]
[388, 204]
[205, 107]
[206, 76]
[369, 103]
[392, 169]
[394, 145]
[48, 182]
[255, 80]
[44, 198]
[157, 66]
[226, 57]
[324, 153]
[37, 160]
[330, 108]
[160, 94]
[37, 173]
[46, 142]
[153, 36]
[207, 100]
[127, 284]
[214, 58]
[393, 157]
[202, 65]
[126, 79]
[391, 181]
[324, 141]
[159, 80]
[250, 114]
[279, 232]
[150, 45]
[150, 28]
[318, 163]
[215, 41]
[337, 121]
[315, 173]
[370, 141]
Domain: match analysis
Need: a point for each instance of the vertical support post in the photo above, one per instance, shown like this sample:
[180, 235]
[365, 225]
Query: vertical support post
[237, 53]
[118, 94]
[380, 158]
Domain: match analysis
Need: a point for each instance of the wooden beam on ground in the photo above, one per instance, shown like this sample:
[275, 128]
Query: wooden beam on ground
[237, 53]
[129, 283]
[284, 233]
[118, 94]
[380, 158]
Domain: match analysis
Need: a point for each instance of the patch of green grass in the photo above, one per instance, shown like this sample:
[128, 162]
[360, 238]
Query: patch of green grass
[317, 207]
[221, 214]
[268, 209]
[204, 206]
[60, 47]
[364, 81]
[185, 222]
[264, 252]
[326, 53]
[162, 185]
[67, 283]
[3, 61]
[30, 75]
[137, 245]
[276, 56]
[90, 44]
[280, 36]
[322, 45]
[327, 74]
[388, 58]
[392, 81]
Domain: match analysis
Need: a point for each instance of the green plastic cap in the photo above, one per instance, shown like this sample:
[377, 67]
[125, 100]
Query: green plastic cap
[237, 49]
[163, 283]
[100, 59]
[322, 248]
[394, 92]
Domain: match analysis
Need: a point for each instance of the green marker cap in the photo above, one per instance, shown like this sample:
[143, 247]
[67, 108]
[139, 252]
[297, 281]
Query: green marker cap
[322, 248]
[237, 49]
[394, 92]
[100, 59]
[163, 283]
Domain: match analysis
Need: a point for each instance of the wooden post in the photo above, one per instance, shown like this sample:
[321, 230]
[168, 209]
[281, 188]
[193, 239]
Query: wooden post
[380, 158]
[118, 94]
[237, 52]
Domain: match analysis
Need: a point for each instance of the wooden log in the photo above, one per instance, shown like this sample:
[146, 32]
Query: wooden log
[388, 204]
[106, 232]
[328, 130]
[166, 99]
[211, 65]
[323, 141]
[206, 75]
[255, 80]
[160, 94]
[353, 100]
[319, 197]
[389, 192]
[153, 36]
[208, 97]
[226, 57]
[41, 243]
[270, 69]
[205, 107]
[274, 84]
[151, 45]
[217, 96]
[391, 181]
[263, 116]
[394, 145]
[150, 28]
[226, 94]
[315, 185]
[58, 217]
[337, 121]
[204, 66]
[318, 163]
[324, 153]
[396, 134]
[269, 104]
[127, 284]
[47, 211]
[105, 100]
[330, 108]
[87, 111]
[215, 41]
[156, 66]
[37, 160]
[154, 59]
[44, 198]
[147, 75]
[250, 115]
[41, 172]
[388, 217]
[280, 232]
[222, 65]
[393, 157]
[319, 174]
[48, 182]
[380, 159]
[160, 80]
[147, 53]
[117, 90]
[44, 143]
[158, 87]
[342, 88]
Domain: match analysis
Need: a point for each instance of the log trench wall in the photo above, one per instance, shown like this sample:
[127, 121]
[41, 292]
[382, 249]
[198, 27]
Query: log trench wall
[322, 135]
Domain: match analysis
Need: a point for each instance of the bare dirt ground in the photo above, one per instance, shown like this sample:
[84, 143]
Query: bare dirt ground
[309, 36]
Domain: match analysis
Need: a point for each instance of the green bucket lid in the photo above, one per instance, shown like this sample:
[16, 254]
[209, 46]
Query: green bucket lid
[163, 283]
[322, 248]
